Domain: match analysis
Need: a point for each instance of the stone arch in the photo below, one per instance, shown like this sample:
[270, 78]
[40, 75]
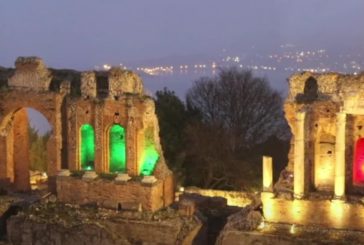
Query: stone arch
[87, 147]
[15, 148]
[311, 89]
[28, 88]
[116, 148]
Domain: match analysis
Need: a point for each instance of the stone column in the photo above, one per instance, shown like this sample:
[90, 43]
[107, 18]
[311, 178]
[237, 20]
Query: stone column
[3, 158]
[131, 143]
[340, 155]
[101, 164]
[54, 144]
[21, 152]
[6, 149]
[57, 131]
[299, 156]
[72, 135]
[267, 174]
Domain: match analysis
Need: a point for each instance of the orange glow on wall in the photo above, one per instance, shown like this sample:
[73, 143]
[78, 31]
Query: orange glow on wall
[358, 169]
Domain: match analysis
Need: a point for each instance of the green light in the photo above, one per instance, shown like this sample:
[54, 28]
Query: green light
[87, 147]
[117, 149]
[150, 159]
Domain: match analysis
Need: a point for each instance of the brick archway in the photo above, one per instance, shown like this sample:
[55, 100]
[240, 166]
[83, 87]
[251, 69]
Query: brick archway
[69, 99]
[15, 147]
[12, 120]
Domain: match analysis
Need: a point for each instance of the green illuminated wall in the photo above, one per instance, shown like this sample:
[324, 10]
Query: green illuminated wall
[150, 159]
[150, 155]
[87, 147]
[117, 149]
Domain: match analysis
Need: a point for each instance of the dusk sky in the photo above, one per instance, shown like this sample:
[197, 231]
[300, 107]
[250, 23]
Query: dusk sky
[80, 34]
[83, 33]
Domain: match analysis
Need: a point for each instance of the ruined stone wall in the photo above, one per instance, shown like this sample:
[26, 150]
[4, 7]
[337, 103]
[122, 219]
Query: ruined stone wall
[321, 97]
[135, 114]
[88, 85]
[123, 82]
[110, 194]
[30, 74]
[70, 99]
[234, 198]
[48, 104]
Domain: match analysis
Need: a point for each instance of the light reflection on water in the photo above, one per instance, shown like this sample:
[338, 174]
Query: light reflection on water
[180, 82]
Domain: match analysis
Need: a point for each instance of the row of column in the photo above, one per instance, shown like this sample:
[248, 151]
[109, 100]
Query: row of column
[299, 156]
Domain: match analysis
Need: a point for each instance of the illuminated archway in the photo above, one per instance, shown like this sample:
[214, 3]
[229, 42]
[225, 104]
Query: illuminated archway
[150, 159]
[117, 153]
[358, 167]
[87, 147]
[324, 170]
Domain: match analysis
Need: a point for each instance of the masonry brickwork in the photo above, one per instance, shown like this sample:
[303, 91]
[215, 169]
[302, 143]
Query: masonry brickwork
[69, 99]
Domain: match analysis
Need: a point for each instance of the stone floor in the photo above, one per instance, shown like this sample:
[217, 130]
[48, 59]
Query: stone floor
[274, 233]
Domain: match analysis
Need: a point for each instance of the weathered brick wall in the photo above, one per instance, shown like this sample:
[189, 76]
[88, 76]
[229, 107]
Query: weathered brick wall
[69, 99]
[31, 73]
[109, 194]
[334, 93]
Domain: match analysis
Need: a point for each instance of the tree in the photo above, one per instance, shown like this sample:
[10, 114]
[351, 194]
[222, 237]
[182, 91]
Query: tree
[244, 105]
[238, 113]
[38, 150]
[172, 115]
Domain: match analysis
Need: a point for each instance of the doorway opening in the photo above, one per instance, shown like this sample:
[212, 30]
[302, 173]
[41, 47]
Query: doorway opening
[358, 166]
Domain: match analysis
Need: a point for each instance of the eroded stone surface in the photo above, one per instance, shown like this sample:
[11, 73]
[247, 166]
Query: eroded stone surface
[69, 100]
[54, 223]
[30, 73]
[321, 97]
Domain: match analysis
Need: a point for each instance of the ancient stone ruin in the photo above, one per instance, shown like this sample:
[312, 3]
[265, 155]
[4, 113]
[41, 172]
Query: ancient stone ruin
[318, 197]
[324, 181]
[104, 146]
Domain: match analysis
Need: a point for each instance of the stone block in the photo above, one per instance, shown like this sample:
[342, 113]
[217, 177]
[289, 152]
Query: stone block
[89, 175]
[122, 178]
[64, 172]
[131, 206]
[149, 180]
[30, 73]
[186, 207]
[88, 85]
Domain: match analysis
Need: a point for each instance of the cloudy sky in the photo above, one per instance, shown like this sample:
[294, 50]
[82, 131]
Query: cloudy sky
[82, 33]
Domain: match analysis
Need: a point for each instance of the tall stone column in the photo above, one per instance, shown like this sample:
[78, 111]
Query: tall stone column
[131, 144]
[101, 164]
[72, 135]
[7, 149]
[340, 155]
[21, 152]
[267, 174]
[299, 156]
[54, 145]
